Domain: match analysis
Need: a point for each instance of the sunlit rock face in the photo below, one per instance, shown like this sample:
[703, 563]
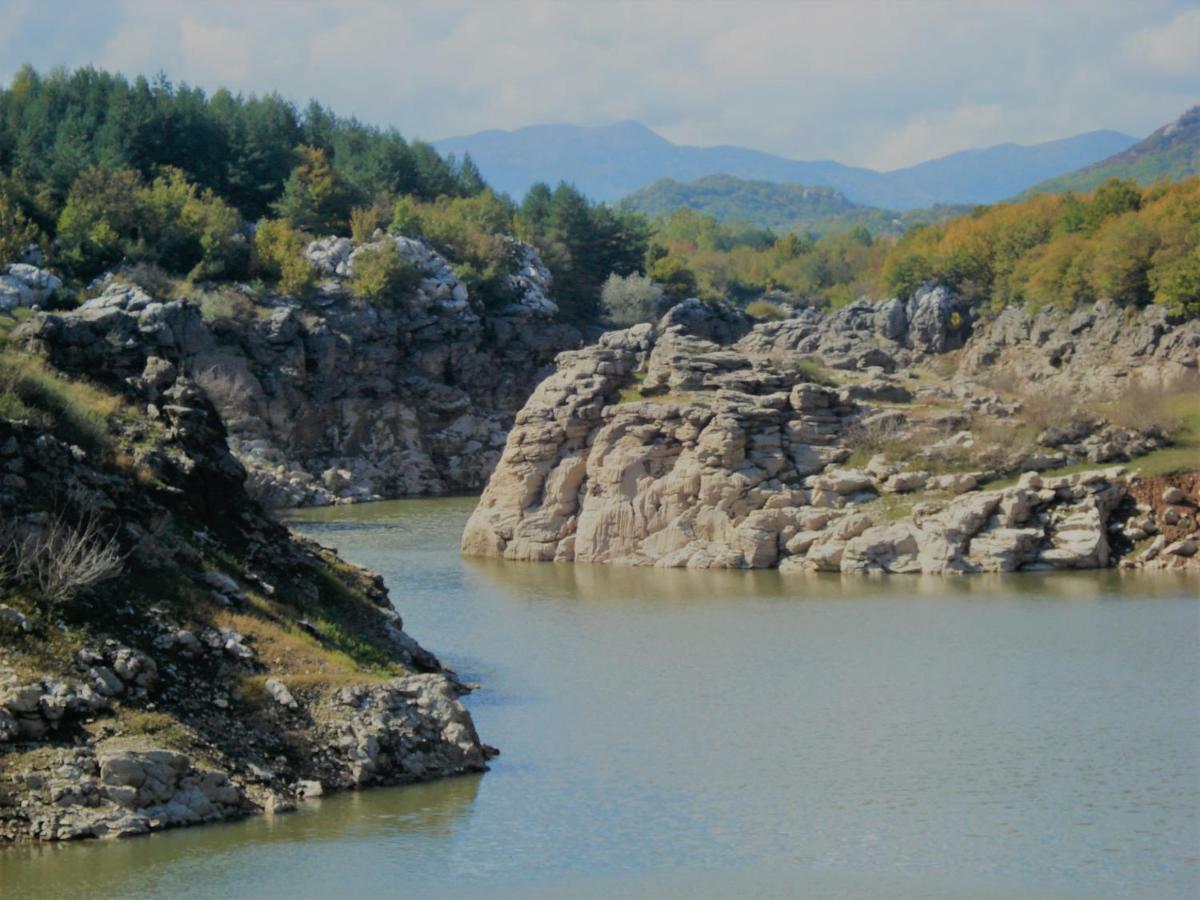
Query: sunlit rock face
[704, 444]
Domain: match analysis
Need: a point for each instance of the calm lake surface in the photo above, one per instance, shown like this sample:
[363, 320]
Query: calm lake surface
[740, 733]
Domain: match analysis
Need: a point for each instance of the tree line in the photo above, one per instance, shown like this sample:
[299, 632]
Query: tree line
[100, 170]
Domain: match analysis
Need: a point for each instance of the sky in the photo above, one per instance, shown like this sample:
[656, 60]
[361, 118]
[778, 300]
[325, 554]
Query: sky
[866, 83]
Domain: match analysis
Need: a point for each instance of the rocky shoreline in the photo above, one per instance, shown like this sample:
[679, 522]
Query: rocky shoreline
[843, 443]
[227, 667]
[213, 665]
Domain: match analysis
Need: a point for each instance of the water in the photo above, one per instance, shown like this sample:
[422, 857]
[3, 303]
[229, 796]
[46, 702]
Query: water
[740, 733]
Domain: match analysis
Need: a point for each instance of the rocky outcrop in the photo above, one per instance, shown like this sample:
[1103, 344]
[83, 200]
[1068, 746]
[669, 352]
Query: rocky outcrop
[218, 666]
[331, 399]
[660, 446]
[1095, 351]
[24, 285]
[865, 334]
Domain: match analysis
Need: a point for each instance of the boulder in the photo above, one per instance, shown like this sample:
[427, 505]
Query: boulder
[26, 285]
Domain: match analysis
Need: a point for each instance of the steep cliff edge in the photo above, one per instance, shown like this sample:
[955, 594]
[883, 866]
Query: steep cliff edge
[860, 441]
[168, 654]
[331, 398]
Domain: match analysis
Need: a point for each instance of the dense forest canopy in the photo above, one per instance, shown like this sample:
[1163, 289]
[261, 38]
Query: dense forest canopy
[100, 170]
[104, 169]
[1129, 244]
[55, 127]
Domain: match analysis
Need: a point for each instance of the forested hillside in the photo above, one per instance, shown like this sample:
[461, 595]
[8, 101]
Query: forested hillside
[780, 207]
[100, 170]
[1173, 152]
[1134, 245]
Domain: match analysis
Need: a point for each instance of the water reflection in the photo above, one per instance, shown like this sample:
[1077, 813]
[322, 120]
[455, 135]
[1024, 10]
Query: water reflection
[732, 733]
[165, 863]
[614, 584]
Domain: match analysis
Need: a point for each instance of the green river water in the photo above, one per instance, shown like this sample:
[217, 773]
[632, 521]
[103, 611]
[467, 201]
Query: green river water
[669, 733]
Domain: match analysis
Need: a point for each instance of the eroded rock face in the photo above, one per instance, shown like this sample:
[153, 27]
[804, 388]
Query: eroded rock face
[332, 399]
[1090, 352]
[665, 447]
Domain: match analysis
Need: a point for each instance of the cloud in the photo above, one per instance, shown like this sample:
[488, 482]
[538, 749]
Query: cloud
[934, 134]
[1174, 48]
[216, 50]
[863, 82]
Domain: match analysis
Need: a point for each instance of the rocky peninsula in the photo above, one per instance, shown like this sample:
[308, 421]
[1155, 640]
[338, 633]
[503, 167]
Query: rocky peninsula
[894, 437]
[171, 654]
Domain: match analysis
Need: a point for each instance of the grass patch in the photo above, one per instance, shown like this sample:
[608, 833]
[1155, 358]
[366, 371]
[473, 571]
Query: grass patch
[1177, 412]
[229, 306]
[77, 411]
[1073, 469]
[165, 730]
[10, 320]
[891, 507]
[1184, 453]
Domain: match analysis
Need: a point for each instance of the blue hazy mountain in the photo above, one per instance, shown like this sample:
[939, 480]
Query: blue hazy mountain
[607, 162]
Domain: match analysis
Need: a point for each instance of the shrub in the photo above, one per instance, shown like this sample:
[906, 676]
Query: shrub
[186, 230]
[406, 218]
[1177, 285]
[58, 561]
[279, 255]
[676, 278]
[111, 215]
[364, 220]
[765, 309]
[630, 299]
[101, 211]
[381, 275]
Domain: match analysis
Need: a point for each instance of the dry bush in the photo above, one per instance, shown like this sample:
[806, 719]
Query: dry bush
[888, 435]
[1144, 407]
[58, 561]
[1042, 409]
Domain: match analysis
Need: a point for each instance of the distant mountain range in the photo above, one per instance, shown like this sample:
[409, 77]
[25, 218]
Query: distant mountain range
[609, 162]
[782, 207]
[1171, 152]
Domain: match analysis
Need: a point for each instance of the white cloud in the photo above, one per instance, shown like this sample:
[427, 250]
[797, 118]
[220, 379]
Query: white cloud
[934, 134]
[218, 51]
[1174, 48]
[863, 82]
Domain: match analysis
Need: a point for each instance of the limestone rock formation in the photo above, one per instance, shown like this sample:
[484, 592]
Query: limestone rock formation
[698, 444]
[331, 399]
[26, 285]
[219, 666]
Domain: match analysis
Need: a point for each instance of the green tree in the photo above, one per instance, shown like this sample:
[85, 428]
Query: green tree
[677, 280]
[1177, 285]
[101, 213]
[1112, 198]
[314, 197]
[16, 231]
